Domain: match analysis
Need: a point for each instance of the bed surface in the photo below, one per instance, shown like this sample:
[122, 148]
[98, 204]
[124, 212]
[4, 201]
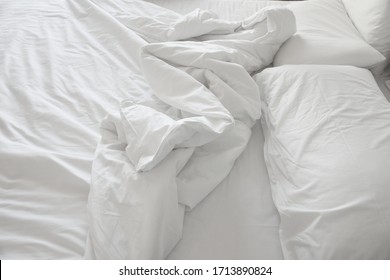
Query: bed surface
[64, 70]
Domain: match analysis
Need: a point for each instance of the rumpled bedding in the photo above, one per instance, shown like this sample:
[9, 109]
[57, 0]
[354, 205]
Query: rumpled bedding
[161, 155]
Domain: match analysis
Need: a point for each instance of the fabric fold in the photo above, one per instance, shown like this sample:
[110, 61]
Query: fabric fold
[166, 155]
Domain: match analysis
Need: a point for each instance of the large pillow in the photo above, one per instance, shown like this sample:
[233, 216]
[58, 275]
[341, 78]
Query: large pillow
[327, 150]
[372, 19]
[326, 35]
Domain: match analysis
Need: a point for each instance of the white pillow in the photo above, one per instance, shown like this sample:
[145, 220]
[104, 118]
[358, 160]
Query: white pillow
[326, 35]
[372, 19]
[327, 150]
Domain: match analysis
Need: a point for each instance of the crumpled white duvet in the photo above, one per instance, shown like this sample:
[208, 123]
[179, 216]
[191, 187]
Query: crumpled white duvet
[162, 154]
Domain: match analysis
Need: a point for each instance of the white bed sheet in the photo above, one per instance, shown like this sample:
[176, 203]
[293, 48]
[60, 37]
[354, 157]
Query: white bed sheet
[64, 69]
[238, 220]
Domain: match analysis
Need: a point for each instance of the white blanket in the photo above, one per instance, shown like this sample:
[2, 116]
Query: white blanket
[161, 154]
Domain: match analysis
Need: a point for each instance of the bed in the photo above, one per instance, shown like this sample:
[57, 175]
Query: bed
[69, 64]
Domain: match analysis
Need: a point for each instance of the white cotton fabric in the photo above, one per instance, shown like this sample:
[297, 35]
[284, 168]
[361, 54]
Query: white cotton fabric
[158, 157]
[238, 220]
[327, 149]
[60, 76]
[326, 35]
[372, 19]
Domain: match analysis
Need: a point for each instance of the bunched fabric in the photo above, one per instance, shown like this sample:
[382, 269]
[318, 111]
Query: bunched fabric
[163, 154]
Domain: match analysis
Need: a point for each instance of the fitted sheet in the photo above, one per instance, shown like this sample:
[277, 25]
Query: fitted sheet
[238, 220]
[66, 65]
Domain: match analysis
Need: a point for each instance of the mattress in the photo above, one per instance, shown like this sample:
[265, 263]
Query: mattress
[63, 72]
